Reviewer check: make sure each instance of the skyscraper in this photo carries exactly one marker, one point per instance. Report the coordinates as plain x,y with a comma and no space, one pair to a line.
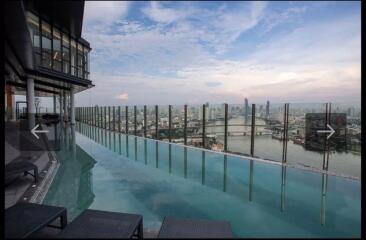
246,111
267,110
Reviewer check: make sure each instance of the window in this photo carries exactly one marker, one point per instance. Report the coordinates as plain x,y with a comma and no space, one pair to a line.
33,23
66,53
46,45
56,55
73,57
80,61
86,63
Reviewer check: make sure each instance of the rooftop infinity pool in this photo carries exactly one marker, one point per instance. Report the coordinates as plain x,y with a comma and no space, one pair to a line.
105,170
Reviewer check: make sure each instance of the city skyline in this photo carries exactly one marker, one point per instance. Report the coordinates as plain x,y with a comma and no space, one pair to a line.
236,50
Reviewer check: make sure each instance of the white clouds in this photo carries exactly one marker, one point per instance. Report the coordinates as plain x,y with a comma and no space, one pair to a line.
123,96
162,14
179,63
97,13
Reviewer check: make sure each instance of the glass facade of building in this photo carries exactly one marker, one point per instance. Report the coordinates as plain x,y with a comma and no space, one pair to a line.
56,50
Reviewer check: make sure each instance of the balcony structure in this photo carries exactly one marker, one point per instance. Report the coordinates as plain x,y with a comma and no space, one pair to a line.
45,54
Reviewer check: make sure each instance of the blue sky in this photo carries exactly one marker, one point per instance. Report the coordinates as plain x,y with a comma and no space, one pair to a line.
197,52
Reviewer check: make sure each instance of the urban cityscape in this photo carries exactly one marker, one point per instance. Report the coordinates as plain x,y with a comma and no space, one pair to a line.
186,127
186,119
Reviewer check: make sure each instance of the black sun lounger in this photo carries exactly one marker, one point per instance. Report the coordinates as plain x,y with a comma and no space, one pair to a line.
101,224
21,167
24,219
194,228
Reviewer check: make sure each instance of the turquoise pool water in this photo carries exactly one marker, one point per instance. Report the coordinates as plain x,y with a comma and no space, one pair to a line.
104,170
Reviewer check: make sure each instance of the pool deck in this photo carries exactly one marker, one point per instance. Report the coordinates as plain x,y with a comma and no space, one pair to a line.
22,188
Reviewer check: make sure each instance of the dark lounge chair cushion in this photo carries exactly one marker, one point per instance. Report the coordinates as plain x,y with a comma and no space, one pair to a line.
194,228
18,167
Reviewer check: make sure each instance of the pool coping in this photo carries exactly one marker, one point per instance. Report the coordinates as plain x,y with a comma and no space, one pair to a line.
296,166
42,189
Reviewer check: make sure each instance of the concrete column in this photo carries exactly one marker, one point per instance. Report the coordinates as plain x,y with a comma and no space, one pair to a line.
9,103
72,106
30,103
65,107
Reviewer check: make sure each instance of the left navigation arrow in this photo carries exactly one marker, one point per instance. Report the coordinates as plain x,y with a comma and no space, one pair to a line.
34,131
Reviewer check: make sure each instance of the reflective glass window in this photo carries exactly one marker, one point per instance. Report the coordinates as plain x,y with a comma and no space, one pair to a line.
46,45
73,57
56,55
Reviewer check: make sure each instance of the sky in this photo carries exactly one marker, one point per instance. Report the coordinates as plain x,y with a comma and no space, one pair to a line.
147,53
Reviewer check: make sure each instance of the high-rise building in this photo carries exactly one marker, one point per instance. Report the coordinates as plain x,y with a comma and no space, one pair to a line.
45,53
267,110
246,111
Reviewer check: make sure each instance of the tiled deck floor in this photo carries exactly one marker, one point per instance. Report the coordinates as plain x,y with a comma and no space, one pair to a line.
16,189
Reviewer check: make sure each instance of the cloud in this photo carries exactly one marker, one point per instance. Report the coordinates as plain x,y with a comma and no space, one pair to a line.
158,13
213,84
100,14
123,96
180,60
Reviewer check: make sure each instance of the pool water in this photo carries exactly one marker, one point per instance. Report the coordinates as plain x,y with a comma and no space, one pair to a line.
105,170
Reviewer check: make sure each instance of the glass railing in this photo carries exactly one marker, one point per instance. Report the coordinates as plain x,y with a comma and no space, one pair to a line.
294,134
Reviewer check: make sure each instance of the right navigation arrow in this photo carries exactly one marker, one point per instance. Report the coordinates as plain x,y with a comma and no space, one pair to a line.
331,131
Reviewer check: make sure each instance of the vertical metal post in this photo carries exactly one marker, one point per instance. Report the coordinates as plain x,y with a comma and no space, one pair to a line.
225,128
323,198
145,121
114,118
95,115
135,148
252,154
170,123
325,138
285,132
203,167
126,119
185,124
119,144
157,153
185,162
109,118
135,120
225,173
105,117
204,126
252,131
170,158
326,142
99,117
156,122
127,148
283,188
145,151
90,115
119,118
287,114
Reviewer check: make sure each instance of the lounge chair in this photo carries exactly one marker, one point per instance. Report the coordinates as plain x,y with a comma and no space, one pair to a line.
194,228
18,167
24,219
102,224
